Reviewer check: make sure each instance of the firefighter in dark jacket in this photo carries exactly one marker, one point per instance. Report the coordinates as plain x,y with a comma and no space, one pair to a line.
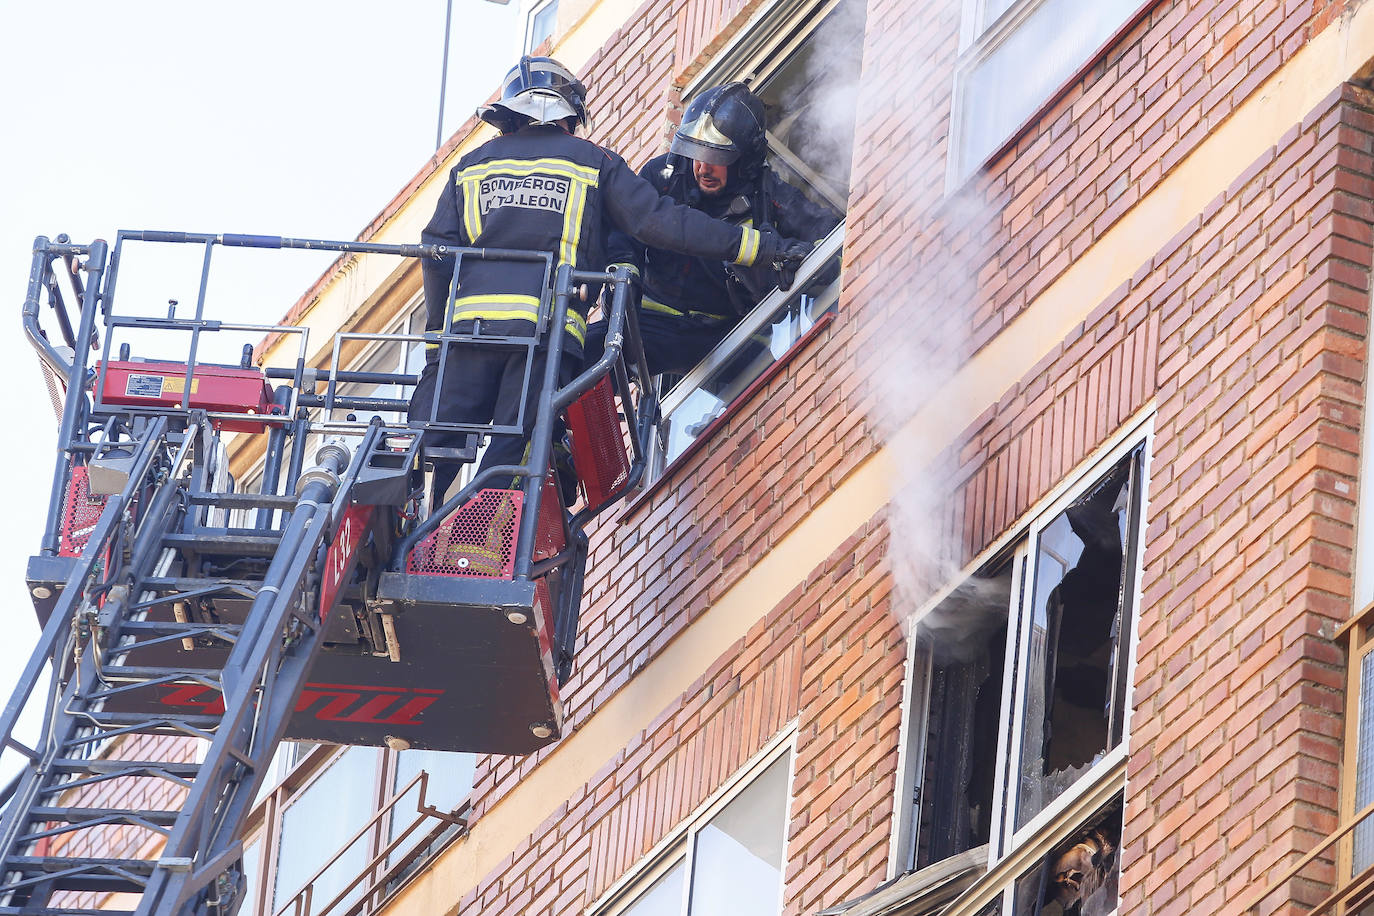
716,164
538,187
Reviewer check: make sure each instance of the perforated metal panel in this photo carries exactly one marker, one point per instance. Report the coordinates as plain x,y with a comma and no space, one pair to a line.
598,446
549,534
80,512
477,540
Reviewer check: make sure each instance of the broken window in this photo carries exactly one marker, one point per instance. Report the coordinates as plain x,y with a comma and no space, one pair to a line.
967,649
1076,670
1019,686
1079,876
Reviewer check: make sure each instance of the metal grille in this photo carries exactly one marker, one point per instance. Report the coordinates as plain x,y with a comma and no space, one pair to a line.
549,538
477,540
80,513
597,446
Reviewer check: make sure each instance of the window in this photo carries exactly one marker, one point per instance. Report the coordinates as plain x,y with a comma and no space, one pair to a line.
1015,54
800,62
1080,875
300,829
330,811
1019,691
539,24
728,860
1359,757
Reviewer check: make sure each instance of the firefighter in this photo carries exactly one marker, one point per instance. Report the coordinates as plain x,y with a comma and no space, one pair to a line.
715,164
539,187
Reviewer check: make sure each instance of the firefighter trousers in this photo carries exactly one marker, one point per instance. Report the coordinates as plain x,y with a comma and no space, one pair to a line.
482,384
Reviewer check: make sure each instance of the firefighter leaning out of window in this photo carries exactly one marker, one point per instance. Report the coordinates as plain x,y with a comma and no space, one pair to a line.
715,164
539,187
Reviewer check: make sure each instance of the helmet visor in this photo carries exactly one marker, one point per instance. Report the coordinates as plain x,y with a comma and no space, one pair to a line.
700,139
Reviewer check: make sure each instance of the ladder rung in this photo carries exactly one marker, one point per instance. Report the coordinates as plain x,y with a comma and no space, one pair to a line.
109,766
143,673
46,865
173,628
244,500
79,815
240,545
112,876
162,721
174,584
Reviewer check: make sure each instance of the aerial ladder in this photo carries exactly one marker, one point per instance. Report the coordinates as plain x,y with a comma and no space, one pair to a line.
324,606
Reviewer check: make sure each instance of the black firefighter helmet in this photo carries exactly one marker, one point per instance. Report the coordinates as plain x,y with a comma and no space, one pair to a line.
724,126
538,90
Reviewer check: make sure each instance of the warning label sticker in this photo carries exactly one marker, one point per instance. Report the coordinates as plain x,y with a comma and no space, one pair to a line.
155,386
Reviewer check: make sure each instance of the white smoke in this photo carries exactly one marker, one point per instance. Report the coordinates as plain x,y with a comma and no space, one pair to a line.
928,299
817,111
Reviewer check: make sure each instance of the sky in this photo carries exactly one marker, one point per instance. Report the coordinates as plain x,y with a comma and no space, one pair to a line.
297,118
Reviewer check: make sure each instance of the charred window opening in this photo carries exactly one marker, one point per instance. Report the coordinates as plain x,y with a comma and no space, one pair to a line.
1079,877
1075,663
968,638
1019,682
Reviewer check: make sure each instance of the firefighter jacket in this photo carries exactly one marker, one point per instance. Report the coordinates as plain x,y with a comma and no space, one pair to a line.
542,189
688,285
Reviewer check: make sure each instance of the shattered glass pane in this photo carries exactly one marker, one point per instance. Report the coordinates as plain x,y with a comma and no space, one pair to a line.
1073,657
1079,877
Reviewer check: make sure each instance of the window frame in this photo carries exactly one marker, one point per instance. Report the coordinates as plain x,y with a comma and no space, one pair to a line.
678,846
978,41
534,12
1010,851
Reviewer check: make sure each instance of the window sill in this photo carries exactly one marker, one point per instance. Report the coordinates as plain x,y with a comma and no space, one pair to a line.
1086,799
673,467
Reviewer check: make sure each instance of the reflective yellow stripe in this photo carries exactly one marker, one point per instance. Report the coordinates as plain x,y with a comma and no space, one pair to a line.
654,305
472,210
498,307
630,267
572,223
564,167
748,246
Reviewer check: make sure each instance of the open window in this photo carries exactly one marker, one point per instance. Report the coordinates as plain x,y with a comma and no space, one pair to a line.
1019,691
802,60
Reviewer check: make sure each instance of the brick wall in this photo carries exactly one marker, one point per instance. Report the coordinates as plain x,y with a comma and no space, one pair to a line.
1245,571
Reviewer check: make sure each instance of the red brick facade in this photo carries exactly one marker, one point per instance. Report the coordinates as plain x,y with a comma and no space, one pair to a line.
1246,336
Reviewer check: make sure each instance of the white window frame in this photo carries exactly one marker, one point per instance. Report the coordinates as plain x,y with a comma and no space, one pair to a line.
530,43
678,847
1011,851
979,40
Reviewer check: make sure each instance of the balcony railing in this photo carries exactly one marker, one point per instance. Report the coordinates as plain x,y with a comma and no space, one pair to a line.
391,864
1351,895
